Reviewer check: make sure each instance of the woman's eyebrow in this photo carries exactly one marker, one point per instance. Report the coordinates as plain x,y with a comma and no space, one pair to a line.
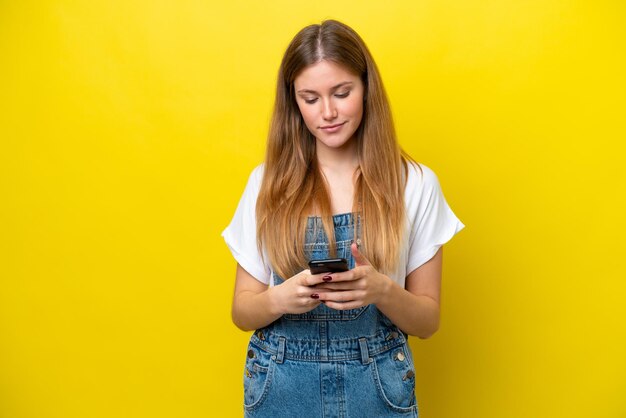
332,88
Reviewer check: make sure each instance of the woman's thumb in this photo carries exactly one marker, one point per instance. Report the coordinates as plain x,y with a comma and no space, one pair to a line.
359,258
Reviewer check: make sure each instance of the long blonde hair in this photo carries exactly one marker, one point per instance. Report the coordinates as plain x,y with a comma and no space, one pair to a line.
292,182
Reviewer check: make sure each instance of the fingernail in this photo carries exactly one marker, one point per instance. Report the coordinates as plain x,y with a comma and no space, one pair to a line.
327,278
315,296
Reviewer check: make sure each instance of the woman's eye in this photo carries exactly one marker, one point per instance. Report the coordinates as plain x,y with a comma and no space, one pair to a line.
338,95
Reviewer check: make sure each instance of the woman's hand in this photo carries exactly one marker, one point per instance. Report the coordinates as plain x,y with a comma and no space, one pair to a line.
358,287
297,294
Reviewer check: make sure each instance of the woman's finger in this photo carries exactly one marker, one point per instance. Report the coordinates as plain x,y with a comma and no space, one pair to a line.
350,275
359,258
341,306
350,285
339,296
305,278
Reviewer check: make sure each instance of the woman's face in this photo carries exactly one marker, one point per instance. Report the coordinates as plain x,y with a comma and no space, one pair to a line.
330,99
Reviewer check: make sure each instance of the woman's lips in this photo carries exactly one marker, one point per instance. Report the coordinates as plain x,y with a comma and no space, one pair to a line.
332,128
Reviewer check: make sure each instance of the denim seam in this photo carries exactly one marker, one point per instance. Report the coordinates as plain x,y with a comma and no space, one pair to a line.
355,313
357,356
343,243
379,334
339,376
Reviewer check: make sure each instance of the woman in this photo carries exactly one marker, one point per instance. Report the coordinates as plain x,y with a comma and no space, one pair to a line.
335,183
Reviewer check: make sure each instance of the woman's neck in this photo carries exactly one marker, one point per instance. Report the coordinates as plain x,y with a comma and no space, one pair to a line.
338,160
339,167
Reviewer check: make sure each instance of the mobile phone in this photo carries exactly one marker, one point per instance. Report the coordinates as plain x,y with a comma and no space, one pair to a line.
328,265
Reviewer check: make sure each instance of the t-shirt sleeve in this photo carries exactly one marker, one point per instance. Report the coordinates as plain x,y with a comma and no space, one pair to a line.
432,221
240,234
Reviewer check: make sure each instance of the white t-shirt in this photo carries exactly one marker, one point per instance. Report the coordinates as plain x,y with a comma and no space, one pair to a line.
430,222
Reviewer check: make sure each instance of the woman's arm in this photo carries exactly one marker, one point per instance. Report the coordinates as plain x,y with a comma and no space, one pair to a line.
256,305
251,308
415,309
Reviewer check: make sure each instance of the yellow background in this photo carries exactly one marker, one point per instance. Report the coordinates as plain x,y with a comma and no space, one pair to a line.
128,130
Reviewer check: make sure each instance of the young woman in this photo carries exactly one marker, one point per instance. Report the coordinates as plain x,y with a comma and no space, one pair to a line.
335,183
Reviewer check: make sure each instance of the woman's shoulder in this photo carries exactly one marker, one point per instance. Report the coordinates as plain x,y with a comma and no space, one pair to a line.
257,172
422,184
419,176
256,176
253,185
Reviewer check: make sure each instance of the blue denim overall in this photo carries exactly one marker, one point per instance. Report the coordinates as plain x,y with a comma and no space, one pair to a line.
329,363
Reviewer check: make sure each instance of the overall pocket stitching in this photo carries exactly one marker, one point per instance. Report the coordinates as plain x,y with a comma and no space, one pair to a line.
351,316
381,392
266,384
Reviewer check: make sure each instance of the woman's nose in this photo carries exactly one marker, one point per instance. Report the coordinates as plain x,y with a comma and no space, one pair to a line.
329,111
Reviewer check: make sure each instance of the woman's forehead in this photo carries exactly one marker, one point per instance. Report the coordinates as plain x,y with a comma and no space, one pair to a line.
324,75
